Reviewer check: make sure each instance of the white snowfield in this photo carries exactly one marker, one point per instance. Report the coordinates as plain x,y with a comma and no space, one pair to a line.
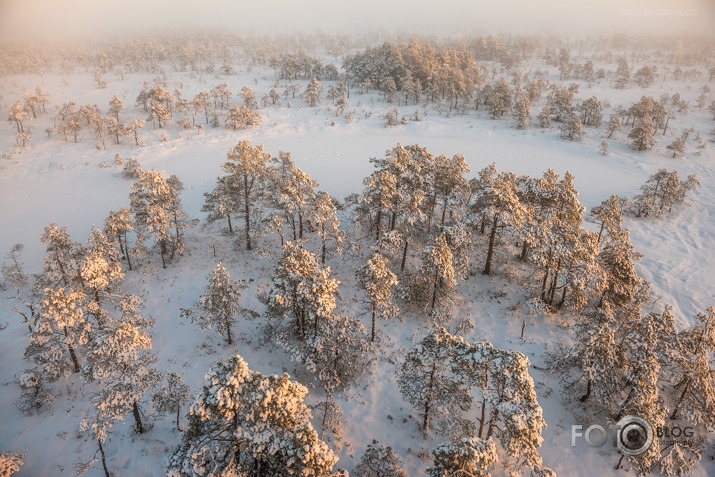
62,182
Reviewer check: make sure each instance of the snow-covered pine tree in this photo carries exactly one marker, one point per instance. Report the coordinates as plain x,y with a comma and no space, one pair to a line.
60,330
151,200
693,373
241,117
336,353
10,462
101,268
434,283
678,147
379,461
614,124
171,396
379,284
376,202
495,201
572,128
522,112
448,186
297,195
325,219
425,378
468,456
594,365
312,92
302,290
663,189
248,167
119,360
219,305
642,134
608,216
617,260
116,227
115,107
648,346
62,263
221,202
244,422
510,411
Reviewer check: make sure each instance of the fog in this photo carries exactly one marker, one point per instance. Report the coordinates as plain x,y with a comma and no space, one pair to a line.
59,19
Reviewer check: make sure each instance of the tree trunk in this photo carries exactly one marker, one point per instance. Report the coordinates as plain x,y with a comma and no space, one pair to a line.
490,251
428,401
372,337
404,257
104,460
137,418
379,219
163,250
588,392
247,213
126,250
230,227
72,353
178,416
674,414
228,333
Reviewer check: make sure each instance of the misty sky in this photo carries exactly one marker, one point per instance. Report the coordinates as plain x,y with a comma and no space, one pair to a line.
28,19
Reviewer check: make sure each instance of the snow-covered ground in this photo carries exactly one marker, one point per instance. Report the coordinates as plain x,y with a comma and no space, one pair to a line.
62,182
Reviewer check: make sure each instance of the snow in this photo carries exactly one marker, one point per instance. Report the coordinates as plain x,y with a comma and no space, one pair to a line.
62,182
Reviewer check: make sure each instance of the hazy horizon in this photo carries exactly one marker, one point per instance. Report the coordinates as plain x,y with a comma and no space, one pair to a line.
26,20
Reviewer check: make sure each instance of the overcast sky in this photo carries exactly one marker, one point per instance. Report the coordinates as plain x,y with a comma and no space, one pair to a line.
28,19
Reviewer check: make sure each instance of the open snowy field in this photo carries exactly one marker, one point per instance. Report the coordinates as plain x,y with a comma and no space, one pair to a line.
76,185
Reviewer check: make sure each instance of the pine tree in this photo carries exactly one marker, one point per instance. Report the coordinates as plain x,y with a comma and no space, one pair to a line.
302,290
623,73
116,227
10,462
379,461
678,147
425,379
496,201
221,203
614,124
324,217
119,360
642,134
596,356
170,397
617,260
62,263
60,330
435,281
153,203
18,115
242,117
522,112
248,167
101,268
115,107
379,284
467,456
244,422
336,353
219,304
297,196
312,93
572,128
693,372
376,202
